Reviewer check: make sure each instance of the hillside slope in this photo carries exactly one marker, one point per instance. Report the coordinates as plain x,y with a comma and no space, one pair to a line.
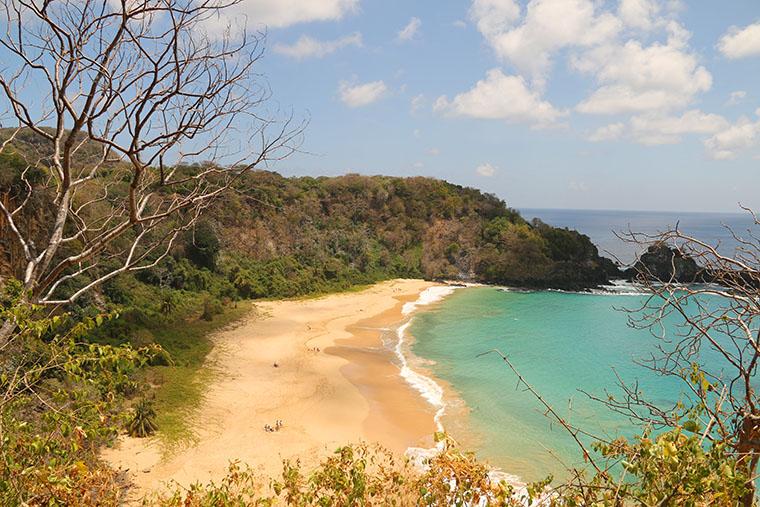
278,237
309,232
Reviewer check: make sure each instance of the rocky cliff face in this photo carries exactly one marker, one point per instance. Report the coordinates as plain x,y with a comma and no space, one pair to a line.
663,263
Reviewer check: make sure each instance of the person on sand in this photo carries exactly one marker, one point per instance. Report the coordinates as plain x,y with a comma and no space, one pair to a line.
277,426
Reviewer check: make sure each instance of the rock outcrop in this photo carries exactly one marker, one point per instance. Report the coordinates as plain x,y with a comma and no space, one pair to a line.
664,263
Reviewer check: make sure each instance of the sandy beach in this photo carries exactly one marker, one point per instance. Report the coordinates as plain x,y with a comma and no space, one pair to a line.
334,383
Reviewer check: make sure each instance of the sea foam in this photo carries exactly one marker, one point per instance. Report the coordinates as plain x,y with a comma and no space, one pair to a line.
428,296
615,288
433,393
430,390
427,387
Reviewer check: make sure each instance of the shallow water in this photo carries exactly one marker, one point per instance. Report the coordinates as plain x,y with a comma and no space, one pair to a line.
561,343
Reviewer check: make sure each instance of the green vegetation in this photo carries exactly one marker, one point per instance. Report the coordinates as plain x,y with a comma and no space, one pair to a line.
286,237
63,398
181,323
356,475
294,236
182,383
143,423
671,469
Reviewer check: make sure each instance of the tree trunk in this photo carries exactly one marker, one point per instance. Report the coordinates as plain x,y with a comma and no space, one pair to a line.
748,500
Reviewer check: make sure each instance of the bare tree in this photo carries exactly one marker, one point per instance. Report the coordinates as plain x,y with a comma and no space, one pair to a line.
719,318
130,108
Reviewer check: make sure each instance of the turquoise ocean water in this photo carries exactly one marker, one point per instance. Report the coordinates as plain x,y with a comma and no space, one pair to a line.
561,342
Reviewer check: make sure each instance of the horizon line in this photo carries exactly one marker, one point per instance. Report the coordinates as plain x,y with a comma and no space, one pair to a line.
740,212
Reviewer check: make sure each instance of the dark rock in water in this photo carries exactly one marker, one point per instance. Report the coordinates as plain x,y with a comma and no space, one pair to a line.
611,269
663,263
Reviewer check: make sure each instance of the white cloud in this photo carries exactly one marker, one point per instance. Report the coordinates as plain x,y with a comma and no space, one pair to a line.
281,13
547,26
727,143
637,78
607,133
632,76
362,94
640,14
675,6
736,97
434,152
417,102
410,30
493,17
500,97
741,43
306,47
653,129
419,165
658,128
636,51
486,170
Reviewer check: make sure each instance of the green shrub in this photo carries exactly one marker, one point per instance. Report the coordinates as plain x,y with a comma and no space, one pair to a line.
353,475
672,468
203,245
143,421
168,304
60,405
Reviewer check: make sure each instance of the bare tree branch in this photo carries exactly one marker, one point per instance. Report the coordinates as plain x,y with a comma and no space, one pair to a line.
141,107
708,336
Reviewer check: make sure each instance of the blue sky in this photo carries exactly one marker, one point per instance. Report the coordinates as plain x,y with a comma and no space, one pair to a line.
599,104
547,127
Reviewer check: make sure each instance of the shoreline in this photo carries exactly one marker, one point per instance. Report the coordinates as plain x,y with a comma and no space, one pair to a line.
336,382
371,367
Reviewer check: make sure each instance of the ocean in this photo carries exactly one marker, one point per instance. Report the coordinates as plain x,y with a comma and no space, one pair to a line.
562,343
601,226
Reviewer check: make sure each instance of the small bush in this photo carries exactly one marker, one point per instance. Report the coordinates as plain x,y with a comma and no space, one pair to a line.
353,475
143,422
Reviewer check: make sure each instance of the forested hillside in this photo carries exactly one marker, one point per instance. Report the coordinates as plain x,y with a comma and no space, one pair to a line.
288,236
272,236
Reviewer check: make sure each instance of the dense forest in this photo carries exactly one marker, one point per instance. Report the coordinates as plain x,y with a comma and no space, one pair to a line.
288,236
272,236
